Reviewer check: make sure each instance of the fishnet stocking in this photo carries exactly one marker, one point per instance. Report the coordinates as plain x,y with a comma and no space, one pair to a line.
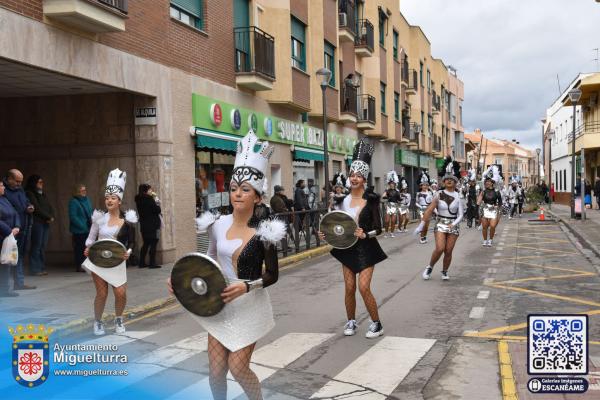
120,299
350,297
493,224
239,365
364,286
217,365
450,242
440,246
101,295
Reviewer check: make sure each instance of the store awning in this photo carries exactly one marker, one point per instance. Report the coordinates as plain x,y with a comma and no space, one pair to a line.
305,154
216,141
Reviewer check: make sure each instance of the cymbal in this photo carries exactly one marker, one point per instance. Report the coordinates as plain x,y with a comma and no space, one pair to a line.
107,253
197,283
338,228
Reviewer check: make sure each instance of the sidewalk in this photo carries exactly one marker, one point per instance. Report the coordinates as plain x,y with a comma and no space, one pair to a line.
588,231
64,299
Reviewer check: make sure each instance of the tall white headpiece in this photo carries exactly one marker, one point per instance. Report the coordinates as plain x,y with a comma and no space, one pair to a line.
250,166
115,184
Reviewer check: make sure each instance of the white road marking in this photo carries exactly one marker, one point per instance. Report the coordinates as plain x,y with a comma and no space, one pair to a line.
499,248
265,362
491,270
469,332
495,261
477,312
501,243
487,281
483,295
498,254
376,373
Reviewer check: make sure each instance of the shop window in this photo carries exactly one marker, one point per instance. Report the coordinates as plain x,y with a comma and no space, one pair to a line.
298,44
189,12
213,174
330,61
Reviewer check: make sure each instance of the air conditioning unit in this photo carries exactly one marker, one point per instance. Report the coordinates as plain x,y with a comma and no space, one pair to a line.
343,19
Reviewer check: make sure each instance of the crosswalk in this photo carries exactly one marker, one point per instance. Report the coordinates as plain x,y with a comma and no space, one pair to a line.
373,375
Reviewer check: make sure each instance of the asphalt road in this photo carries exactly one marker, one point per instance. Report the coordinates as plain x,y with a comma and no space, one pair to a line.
441,338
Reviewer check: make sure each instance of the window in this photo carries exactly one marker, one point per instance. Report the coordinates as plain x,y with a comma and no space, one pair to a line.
428,81
429,125
298,44
422,120
395,45
304,117
330,61
382,19
189,12
565,179
498,160
382,91
396,106
421,74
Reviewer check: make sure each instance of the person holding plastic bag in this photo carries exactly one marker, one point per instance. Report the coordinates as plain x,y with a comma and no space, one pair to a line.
9,222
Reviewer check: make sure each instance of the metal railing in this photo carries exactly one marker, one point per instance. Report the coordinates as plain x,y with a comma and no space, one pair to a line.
414,130
404,70
366,108
348,99
413,80
365,36
435,101
437,143
347,20
254,51
119,5
585,128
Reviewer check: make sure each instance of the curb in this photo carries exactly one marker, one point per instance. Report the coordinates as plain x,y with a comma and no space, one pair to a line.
509,387
305,255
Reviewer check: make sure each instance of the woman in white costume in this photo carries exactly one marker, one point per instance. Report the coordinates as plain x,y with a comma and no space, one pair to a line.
112,224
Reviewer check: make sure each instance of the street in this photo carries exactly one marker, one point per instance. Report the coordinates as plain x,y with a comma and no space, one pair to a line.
441,338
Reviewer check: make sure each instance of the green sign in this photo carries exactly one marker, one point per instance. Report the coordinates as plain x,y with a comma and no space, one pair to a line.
267,127
439,163
406,157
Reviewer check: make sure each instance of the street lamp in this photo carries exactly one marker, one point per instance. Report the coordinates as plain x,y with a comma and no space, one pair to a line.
325,75
538,151
574,96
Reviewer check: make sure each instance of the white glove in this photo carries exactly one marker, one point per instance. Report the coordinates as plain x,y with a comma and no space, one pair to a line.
419,228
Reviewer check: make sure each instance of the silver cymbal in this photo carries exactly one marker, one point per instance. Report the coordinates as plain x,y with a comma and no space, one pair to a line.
338,228
107,253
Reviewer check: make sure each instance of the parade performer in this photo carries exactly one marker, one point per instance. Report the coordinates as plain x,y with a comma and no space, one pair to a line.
404,208
472,190
339,191
515,194
241,243
422,200
490,203
364,205
112,224
449,214
392,195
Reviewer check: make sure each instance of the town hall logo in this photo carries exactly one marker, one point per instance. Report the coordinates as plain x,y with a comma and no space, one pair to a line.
30,354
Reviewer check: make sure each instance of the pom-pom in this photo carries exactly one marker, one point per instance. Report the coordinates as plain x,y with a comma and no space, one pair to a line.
97,215
131,217
271,231
205,221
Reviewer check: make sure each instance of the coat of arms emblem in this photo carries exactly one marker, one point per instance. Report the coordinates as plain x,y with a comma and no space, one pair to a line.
30,354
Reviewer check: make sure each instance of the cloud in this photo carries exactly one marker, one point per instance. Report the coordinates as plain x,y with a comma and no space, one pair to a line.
508,54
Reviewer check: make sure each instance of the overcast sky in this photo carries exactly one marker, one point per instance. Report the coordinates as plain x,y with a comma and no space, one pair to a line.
508,54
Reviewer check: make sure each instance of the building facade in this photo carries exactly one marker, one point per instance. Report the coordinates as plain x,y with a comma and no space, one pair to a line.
164,92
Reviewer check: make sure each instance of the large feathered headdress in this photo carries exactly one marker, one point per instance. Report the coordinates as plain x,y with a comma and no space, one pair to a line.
115,183
403,183
472,174
494,174
251,166
424,179
339,180
450,170
361,158
392,177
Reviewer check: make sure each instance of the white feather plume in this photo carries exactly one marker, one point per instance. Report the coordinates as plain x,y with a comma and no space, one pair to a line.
205,220
97,215
271,231
131,217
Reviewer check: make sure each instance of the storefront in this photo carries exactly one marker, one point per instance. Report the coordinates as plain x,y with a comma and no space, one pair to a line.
412,163
298,149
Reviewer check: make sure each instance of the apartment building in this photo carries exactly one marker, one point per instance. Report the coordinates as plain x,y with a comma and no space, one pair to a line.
164,91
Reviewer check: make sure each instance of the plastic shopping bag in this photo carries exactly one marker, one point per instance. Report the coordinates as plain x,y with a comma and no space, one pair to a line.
10,251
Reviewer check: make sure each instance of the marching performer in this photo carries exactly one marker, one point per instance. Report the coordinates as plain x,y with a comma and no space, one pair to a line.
392,195
449,214
423,199
404,208
515,196
490,203
112,224
339,190
434,188
472,190
364,206
241,243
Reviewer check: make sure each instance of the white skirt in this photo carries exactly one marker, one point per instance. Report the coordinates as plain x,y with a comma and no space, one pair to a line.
242,322
115,276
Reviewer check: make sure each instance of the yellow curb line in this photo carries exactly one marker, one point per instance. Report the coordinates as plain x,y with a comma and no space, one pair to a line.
509,387
318,251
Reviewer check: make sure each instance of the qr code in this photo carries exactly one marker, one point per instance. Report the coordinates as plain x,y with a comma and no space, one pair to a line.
557,344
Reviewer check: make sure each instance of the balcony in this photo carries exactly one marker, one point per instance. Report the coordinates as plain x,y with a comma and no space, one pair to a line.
364,43
413,82
437,146
366,112
404,72
346,22
435,103
413,132
587,136
94,16
254,58
348,103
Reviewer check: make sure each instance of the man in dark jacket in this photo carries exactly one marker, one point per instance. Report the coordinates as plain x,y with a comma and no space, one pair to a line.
9,222
148,207
43,216
16,196
281,204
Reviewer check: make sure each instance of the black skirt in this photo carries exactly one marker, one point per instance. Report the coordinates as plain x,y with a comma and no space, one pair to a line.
364,253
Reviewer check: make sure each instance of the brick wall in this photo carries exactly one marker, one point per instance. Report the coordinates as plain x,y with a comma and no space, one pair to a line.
152,34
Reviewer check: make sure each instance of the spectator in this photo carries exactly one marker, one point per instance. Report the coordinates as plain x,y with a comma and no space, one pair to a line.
43,216
588,194
544,188
552,192
9,223
300,198
15,194
80,222
148,207
597,191
281,204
